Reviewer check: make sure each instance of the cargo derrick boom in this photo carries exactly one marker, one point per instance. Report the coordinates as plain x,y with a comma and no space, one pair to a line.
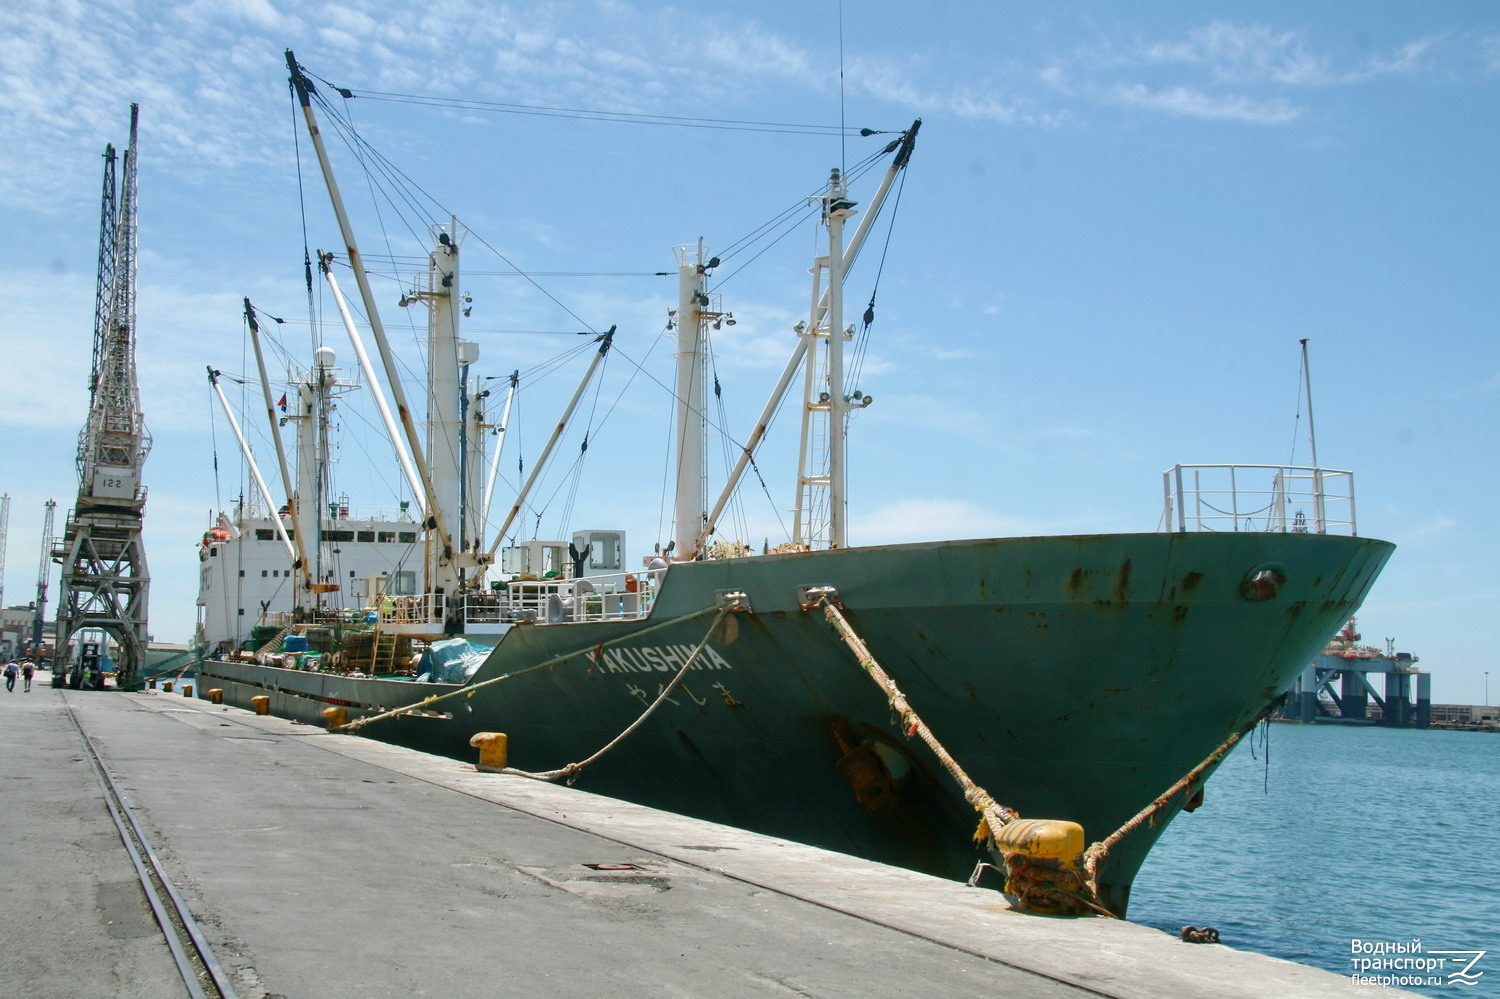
105,584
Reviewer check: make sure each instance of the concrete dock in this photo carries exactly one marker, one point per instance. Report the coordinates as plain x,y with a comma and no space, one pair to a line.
331,866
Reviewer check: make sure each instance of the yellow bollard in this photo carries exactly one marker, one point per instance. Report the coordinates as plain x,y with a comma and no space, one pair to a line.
336,717
216,695
262,704
494,750
166,686
151,683
1042,839
187,690
1043,864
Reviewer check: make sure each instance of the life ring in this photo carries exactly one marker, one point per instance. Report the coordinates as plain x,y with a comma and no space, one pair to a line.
632,584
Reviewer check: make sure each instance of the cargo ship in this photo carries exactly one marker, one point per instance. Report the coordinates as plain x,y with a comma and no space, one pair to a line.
1091,680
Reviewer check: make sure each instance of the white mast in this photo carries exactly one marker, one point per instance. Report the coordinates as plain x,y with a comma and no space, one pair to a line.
820,516
692,306
314,411
260,482
812,453
489,487
307,498
444,405
605,340
325,260
837,208
302,590
1320,525
474,440
304,88
820,512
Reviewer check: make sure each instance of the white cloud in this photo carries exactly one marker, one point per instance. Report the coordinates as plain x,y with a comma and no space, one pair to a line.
1189,73
1242,53
1490,44
1186,102
750,49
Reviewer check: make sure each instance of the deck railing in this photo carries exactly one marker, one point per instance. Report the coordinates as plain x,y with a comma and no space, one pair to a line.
1282,499
625,596
620,597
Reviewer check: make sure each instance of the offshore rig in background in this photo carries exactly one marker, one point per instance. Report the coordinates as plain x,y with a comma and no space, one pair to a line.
1336,686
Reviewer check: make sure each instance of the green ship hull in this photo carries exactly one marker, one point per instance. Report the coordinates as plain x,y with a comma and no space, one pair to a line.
1072,677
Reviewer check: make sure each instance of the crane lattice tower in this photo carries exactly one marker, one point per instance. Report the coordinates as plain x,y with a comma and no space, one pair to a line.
4,530
105,583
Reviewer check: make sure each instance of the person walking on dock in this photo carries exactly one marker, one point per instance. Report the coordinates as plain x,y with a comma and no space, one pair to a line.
10,677
28,670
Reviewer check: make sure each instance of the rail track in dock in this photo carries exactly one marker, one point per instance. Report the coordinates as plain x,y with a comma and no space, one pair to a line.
202,974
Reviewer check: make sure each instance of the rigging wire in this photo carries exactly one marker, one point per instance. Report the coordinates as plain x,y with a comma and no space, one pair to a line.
213,436
302,211
365,154
619,117
800,208
393,173
737,515
666,468
583,450
403,191
790,220
397,185
862,348
843,133
468,329
769,498
790,227
1297,419
370,463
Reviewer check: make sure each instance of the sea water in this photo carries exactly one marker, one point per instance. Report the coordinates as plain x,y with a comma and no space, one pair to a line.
1319,843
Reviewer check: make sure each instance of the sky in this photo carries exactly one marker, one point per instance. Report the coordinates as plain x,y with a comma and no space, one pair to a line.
1119,222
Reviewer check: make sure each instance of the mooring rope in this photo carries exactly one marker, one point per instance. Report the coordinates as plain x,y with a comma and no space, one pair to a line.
994,813
468,689
1096,853
1020,879
572,770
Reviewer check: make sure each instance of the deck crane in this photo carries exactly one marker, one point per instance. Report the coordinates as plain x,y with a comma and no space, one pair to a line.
105,583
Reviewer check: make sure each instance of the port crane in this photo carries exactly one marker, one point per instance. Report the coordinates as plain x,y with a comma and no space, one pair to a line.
105,583
4,530
43,580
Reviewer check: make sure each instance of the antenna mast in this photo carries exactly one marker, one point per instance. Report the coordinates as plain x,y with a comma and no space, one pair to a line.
820,517
1320,525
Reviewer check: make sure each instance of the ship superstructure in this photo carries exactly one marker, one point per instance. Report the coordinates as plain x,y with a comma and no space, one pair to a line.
246,580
